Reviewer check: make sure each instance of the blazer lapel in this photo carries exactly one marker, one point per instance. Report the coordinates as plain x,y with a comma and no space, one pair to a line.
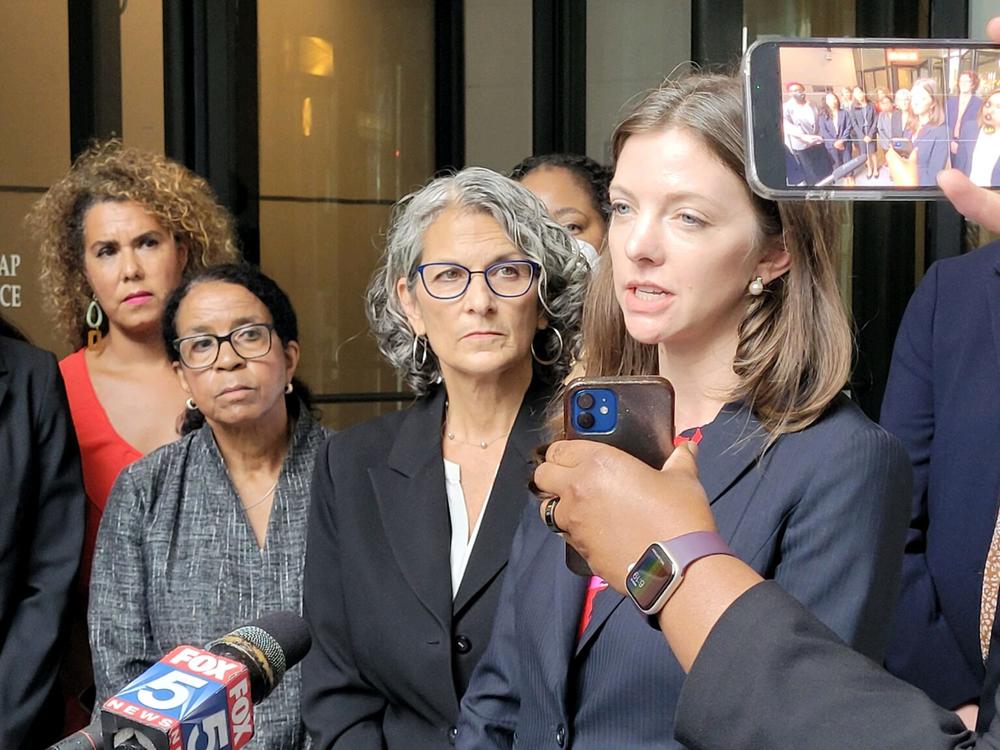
993,295
509,495
413,504
4,377
730,445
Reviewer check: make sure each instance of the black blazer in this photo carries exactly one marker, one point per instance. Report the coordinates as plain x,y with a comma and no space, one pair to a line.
392,653
941,402
770,676
41,534
823,512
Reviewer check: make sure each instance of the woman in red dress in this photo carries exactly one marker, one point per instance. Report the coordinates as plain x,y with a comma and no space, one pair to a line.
115,235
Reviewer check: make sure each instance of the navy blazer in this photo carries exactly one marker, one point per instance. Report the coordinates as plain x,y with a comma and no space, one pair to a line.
392,650
968,130
839,132
823,512
41,535
941,401
933,149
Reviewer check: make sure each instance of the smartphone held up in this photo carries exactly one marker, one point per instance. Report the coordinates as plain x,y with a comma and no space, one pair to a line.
634,414
870,119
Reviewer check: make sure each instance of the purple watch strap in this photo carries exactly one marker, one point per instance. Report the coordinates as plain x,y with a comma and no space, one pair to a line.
690,547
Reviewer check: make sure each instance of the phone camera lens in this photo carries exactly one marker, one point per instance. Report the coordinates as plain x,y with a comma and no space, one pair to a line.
585,400
585,419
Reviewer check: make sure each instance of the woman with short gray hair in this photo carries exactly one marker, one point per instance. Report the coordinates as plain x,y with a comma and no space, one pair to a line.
477,305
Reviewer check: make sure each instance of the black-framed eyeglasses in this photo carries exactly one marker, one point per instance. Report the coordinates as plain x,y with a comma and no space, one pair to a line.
505,278
251,341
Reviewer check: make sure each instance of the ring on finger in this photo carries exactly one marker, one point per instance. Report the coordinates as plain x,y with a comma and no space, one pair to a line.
549,515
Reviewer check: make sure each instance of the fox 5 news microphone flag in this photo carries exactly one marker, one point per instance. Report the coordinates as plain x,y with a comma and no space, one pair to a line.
191,698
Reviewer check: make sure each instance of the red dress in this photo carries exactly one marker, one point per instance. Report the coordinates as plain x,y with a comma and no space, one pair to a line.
103,453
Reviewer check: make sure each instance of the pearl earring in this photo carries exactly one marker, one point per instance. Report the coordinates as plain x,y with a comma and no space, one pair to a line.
756,287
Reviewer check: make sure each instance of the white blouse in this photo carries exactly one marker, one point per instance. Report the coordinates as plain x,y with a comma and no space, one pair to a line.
461,548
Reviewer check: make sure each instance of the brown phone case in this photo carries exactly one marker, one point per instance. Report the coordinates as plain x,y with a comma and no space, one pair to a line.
644,429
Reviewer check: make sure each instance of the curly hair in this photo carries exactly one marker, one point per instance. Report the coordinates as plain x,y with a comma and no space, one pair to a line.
525,222
182,202
593,177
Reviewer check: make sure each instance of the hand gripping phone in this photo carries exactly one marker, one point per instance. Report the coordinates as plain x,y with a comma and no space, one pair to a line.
869,119
635,414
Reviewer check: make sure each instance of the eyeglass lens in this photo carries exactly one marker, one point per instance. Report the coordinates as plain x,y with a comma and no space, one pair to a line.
449,280
249,342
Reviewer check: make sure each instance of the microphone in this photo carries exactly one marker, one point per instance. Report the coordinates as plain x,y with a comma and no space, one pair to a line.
197,697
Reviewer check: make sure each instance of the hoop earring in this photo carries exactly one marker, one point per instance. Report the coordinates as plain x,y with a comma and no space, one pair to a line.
289,388
190,404
94,318
558,353
418,366
756,287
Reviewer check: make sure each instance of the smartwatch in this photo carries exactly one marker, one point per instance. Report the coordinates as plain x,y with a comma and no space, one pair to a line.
655,576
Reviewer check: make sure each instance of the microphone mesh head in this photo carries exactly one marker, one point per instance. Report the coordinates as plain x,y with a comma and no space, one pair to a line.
267,644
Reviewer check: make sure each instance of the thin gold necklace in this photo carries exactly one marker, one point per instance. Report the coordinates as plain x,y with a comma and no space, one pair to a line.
484,444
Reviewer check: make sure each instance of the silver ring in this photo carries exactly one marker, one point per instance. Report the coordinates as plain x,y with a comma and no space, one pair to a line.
549,515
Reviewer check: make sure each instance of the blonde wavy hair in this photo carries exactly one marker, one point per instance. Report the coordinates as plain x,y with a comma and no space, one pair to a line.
795,341
182,202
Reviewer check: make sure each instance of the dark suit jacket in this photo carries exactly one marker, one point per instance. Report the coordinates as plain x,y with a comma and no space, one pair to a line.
771,676
933,149
941,402
839,132
823,512
864,122
41,534
392,653
968,130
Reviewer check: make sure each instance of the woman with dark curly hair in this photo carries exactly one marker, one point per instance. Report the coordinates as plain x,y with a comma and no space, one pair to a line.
477,305
116,234
574,189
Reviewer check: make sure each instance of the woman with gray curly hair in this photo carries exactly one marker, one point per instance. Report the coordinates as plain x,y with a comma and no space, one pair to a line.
477,304
115,235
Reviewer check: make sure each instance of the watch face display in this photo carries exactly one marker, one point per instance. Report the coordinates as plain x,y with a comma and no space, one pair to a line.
650,577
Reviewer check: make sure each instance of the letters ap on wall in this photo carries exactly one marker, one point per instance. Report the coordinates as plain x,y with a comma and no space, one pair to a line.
189,700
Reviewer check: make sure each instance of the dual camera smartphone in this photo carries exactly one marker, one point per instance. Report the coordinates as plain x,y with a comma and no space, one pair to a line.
634,414
870,119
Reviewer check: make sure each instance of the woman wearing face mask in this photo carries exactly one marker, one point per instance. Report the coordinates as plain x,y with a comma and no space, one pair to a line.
574,189
477,305
733,299
116,234
930,140
208,533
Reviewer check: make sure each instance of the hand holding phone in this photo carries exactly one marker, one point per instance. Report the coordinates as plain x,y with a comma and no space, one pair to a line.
635,414
904,109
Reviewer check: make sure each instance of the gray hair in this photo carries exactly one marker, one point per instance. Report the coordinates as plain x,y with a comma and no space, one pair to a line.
526,223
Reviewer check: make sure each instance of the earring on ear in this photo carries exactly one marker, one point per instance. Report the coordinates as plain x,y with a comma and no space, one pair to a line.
288,388
94,318
190,404
756,287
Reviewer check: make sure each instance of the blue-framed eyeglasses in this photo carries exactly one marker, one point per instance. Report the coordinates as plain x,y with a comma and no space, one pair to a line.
202,350
505,278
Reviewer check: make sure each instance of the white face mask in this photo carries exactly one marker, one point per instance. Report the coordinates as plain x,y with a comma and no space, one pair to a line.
588,252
